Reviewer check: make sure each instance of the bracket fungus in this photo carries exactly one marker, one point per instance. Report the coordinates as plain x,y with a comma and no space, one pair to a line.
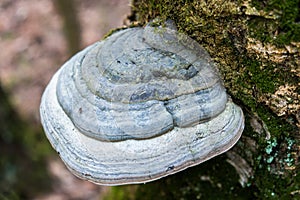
144,103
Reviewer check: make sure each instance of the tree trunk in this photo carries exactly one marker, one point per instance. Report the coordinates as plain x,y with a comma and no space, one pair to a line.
256,46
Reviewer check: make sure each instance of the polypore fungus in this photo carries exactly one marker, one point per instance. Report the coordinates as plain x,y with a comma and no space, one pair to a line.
142,104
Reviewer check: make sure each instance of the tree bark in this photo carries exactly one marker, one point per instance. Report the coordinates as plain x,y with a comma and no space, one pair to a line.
256,45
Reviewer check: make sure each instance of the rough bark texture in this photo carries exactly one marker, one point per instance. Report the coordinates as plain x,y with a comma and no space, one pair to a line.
256,45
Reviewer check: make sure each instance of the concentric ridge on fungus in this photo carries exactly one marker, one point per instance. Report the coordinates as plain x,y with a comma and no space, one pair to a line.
140,105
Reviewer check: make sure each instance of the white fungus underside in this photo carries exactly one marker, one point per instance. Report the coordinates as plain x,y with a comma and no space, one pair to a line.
137,161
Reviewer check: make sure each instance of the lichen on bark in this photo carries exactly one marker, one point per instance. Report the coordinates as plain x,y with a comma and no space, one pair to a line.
256,45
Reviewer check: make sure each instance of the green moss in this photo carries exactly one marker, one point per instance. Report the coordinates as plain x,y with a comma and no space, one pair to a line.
279,31
121,192
114,31
264,81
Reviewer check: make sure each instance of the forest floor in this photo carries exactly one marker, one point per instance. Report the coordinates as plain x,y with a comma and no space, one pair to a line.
33,47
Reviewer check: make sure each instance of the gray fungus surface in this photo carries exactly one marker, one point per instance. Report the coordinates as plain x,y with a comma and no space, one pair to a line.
139,105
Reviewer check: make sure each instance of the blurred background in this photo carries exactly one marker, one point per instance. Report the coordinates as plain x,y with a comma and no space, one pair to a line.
36,38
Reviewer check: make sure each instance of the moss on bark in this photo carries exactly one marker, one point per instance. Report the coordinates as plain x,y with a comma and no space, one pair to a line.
256,47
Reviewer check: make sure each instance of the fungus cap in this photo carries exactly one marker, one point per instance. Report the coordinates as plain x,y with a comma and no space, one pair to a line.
142,104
